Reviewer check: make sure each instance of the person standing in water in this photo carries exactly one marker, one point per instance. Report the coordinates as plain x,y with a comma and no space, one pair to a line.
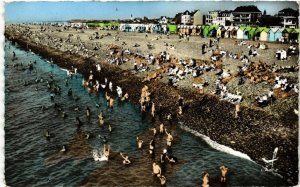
169,138
88,113
111,103
106,151
156,170
205,179
223,171
153,110
139,143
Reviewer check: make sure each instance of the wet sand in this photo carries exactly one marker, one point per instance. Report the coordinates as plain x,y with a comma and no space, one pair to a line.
256,132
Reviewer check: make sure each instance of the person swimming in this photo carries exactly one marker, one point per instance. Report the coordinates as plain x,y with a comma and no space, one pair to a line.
87,135
126,160
47,135
163,180
64,149
79,123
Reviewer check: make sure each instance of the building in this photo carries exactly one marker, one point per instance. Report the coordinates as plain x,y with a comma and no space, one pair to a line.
197,17
217,17
246,15
225,18
163,20
211,18
289,22
186,18
289,17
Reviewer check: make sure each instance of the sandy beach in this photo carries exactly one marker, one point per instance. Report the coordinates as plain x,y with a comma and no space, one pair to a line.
255,132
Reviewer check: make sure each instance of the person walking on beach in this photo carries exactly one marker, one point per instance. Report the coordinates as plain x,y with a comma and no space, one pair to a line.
203,49
224,171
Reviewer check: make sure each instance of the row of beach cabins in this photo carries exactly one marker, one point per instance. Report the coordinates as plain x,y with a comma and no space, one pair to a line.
236,32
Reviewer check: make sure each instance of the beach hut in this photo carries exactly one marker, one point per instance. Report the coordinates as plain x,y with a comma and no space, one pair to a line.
221,32
264,35
234,32
205,30
252,32
213,30
294,35
157,28
286,33
172,29
227,33
240,33
275,34
141,28
127,28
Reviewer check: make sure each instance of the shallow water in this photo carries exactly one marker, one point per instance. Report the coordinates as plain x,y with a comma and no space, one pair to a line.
26,148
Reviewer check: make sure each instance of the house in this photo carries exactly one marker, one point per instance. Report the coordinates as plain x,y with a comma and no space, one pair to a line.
186,18
197,17
246,15
289,21
163,20
211,18
225,18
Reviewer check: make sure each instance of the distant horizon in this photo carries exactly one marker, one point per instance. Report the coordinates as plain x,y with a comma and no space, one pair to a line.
18,12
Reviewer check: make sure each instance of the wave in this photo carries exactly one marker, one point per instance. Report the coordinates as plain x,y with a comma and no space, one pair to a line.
98,156
216,145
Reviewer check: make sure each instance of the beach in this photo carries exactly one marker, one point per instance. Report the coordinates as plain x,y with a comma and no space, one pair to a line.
256,132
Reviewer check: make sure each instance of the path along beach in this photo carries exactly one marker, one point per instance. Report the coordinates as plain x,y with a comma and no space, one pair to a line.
255,131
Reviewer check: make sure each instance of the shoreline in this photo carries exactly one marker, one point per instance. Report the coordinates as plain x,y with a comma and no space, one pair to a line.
201,110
